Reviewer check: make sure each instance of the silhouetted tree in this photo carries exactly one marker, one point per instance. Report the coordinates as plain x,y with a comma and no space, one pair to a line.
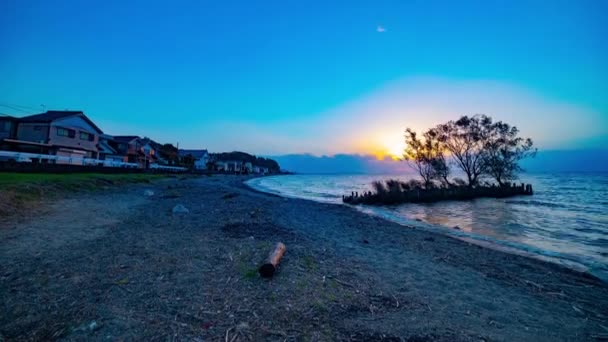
464,139
419,153
503,150
188,161
441,169
169,152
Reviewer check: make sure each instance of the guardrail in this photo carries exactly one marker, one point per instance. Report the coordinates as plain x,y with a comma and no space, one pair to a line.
23,157
167,168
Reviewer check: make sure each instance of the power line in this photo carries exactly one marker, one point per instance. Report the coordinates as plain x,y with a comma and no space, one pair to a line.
22,108
14,108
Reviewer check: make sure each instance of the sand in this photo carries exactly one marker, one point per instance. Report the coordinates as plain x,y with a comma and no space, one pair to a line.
120,265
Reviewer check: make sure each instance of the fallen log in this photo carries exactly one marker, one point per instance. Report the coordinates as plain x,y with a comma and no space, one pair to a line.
268,268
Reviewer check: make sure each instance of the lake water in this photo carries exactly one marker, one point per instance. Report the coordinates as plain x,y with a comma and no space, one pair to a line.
565,221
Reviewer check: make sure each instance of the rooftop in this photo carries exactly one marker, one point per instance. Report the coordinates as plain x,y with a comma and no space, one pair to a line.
52,115
194,153
125,138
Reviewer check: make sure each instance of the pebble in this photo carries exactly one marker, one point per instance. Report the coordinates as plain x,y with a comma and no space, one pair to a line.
180,209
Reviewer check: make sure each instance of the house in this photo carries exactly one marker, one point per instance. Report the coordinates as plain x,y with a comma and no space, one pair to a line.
154,149
247,167
201,158
227,165
150,149
233,166
106,149
135,150
63,133
260,170
8,129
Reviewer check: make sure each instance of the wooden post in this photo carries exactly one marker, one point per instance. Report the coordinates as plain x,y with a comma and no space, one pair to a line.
267,270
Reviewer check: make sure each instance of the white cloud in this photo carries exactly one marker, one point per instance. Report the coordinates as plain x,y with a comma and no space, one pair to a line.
380,29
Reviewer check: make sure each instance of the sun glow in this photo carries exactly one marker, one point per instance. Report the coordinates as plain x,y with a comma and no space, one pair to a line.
391,145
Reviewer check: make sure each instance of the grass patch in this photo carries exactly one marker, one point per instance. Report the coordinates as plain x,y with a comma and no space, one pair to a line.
310,263
13,178
19,191
251,274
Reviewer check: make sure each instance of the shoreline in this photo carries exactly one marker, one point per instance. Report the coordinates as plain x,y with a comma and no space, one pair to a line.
137,271
484,241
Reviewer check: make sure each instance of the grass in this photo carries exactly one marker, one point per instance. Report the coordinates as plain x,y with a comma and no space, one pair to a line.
310,263
13,178
20,191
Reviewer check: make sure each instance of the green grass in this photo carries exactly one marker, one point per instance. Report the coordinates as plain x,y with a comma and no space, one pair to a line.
19,191
310,263
251,274
13,179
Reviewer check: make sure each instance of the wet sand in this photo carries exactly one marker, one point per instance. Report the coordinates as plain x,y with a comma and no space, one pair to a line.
120,265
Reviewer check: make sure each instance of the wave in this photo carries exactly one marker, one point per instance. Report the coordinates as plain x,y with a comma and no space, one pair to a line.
537,203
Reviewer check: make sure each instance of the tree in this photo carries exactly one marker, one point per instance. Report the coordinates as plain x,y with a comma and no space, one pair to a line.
441,169
464,139
421,154
503,150
169,152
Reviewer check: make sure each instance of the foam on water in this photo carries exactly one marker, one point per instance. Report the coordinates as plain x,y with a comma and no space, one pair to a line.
565,221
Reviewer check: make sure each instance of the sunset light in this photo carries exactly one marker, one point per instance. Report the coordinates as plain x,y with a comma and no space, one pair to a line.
304,170
388,144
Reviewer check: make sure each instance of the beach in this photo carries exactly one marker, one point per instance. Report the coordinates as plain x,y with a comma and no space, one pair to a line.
120,265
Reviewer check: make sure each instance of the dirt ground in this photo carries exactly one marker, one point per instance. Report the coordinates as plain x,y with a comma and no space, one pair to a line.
119,265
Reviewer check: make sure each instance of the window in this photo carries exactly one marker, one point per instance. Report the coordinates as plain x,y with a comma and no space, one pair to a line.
64,132
86,136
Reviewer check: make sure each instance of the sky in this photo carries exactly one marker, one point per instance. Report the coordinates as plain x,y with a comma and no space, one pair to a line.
319,77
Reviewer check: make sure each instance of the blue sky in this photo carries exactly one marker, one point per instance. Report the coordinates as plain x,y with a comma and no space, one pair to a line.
275,77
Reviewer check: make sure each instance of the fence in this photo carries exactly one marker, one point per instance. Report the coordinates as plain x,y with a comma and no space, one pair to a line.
21,161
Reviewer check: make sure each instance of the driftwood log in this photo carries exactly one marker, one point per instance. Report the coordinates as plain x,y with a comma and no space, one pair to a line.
268,268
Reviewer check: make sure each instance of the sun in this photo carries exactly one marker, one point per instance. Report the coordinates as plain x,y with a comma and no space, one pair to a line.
396,151
393,146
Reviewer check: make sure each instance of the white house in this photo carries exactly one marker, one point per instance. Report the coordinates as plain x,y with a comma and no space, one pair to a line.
260,170
236,166
201,158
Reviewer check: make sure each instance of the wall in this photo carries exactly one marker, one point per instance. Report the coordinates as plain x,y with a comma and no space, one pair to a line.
36,132
74,142
6,131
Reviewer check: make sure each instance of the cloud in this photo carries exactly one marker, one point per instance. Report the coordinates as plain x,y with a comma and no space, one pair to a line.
341,163
380,29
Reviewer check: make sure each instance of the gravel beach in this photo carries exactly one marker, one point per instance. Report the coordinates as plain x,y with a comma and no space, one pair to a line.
121,265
